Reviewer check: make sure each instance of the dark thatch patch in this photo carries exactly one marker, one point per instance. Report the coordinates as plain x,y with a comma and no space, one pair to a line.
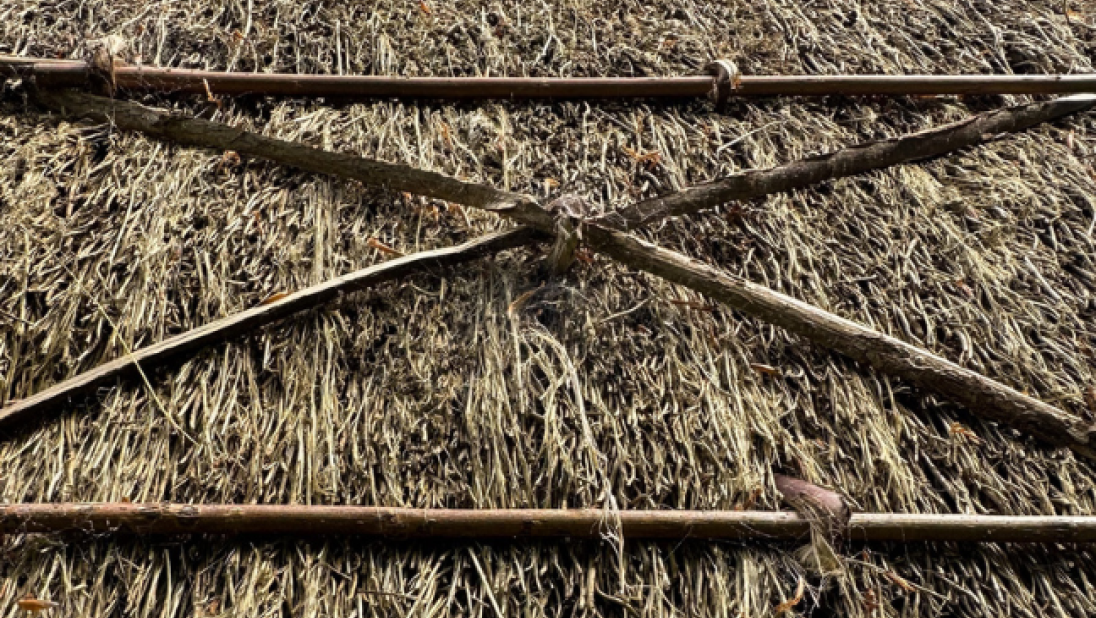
600,392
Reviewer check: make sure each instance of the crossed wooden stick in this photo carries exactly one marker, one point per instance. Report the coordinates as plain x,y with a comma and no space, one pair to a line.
566,221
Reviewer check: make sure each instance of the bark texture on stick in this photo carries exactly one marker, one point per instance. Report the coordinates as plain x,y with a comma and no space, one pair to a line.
847,162
219,136
181,346
404,523
980,395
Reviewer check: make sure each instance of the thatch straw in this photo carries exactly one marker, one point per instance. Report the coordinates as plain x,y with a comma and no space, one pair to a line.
847,162
432,394
980,395
279,306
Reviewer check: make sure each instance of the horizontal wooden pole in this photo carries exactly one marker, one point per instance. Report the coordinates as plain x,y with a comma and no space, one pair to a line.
403,523
56,397
71,73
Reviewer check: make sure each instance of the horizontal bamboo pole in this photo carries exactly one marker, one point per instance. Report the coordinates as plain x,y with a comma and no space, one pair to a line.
71,73
184,345
403,523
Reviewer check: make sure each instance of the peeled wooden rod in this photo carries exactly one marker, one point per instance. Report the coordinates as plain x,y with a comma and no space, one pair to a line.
405,523
74,73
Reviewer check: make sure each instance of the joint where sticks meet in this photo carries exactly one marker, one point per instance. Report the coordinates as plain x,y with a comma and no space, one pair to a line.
570,212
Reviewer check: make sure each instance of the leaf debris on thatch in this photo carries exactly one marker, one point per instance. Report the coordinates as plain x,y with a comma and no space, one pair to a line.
434,397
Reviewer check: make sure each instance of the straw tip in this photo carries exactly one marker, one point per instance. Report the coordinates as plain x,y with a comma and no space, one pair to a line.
1084,96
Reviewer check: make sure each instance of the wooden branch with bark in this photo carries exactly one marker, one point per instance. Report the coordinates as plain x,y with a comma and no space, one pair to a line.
483,524
219,136
982,396
847,162
187,344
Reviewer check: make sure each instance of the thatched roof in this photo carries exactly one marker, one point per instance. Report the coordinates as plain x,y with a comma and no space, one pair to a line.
603,390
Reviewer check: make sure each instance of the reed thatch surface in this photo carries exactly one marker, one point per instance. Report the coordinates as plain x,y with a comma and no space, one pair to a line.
603,390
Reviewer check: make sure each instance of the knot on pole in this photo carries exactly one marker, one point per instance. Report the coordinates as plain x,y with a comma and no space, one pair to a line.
100,67
727,79
829,517
569,211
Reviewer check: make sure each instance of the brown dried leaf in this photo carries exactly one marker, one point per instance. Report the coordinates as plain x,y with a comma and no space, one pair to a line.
899,581
962,431
768,370
751,500
651,158
273,298
870,601
383,248
35,605
230,158
521,300
787,606
446,134
812,501
963,287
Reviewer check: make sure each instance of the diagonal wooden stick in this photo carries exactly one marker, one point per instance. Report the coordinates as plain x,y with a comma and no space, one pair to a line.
219,136
481,524
982,396
185,345
843,163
